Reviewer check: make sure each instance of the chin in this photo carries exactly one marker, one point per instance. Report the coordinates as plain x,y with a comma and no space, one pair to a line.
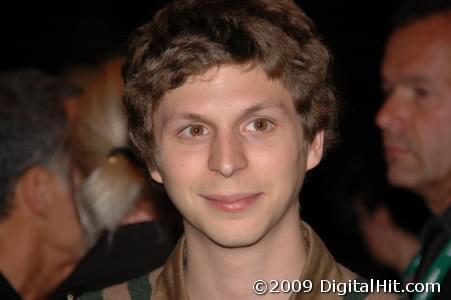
401,178
241,237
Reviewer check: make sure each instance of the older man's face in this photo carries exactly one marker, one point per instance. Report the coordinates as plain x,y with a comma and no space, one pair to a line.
416,117
65,233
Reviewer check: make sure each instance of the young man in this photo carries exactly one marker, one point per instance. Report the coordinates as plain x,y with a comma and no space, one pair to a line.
230,105
416,127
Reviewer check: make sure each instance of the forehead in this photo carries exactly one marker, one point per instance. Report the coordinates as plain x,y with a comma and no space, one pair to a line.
420,49
226,88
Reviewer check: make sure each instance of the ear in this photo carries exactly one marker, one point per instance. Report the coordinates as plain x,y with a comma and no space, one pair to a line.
35,187
315,150
155,174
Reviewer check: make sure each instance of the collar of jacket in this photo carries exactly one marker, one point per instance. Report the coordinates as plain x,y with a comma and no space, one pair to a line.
319,265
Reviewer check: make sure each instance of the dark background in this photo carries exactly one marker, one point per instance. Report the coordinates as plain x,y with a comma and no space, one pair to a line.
57,37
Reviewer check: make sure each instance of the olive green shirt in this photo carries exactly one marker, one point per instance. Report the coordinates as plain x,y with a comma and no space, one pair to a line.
167,283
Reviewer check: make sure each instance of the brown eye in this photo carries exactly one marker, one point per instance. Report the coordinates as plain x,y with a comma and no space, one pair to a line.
420,92
195,130
259,125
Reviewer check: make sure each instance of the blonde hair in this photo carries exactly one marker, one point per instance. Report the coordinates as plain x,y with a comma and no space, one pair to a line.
111,184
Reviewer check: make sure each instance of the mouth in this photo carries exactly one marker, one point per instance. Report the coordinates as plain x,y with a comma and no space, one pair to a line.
233,203
391,150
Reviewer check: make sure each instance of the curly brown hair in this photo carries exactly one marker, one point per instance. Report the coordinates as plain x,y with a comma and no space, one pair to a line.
188,37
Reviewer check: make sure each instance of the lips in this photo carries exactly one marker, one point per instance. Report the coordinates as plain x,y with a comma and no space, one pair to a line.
395,145
232,203
394,149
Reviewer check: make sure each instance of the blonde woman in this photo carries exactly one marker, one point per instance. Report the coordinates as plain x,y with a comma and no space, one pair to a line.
113,184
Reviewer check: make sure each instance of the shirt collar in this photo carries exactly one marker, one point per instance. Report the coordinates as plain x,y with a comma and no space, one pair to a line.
319,265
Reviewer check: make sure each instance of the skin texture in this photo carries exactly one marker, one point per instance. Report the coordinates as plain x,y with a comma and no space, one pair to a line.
65,231
416,117
227,155
416,127
232,158
42,234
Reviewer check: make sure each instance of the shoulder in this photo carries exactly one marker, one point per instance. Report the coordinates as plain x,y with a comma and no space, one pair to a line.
136,288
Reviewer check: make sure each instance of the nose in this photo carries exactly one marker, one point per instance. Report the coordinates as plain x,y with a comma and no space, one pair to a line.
393,113
227,155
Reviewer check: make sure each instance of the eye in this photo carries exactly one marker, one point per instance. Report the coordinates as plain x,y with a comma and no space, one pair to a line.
420,92
195,130
259,125
387,90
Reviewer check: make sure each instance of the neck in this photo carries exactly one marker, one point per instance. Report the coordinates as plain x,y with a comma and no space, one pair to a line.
437,195
26,263
280,254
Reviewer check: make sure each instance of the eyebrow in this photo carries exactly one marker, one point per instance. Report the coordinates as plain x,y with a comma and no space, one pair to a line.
248,111
262,106
415,79
183,116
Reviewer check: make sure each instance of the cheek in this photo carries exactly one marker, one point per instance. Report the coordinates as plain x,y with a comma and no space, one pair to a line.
67,219
437,141
180,165
282,158
71,213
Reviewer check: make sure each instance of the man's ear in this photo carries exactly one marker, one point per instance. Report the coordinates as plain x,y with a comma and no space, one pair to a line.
315,150
155,174
35,187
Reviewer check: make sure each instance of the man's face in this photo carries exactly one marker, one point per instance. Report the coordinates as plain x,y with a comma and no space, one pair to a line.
416,117
65,232
231,155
